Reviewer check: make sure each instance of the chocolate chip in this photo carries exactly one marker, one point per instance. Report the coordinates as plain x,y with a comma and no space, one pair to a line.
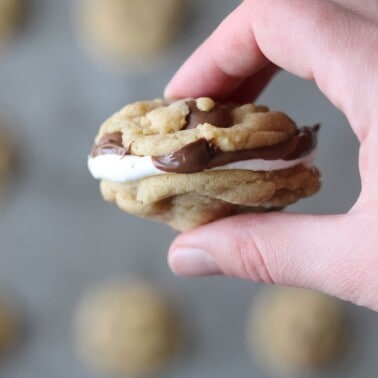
219,116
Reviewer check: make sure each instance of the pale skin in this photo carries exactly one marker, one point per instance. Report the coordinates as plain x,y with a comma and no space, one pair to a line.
335,44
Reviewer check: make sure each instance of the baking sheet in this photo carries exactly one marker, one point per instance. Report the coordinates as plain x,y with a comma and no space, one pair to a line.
58,237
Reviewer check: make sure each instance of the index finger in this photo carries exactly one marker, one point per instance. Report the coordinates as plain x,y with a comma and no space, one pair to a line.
317,40
221,63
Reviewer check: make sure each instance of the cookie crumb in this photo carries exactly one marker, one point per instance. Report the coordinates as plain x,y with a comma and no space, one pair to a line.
169,119
205,104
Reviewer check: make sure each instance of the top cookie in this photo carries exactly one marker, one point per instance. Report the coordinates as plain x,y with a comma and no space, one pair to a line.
154,128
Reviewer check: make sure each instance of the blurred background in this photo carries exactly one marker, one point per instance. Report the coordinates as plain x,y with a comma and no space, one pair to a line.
58,237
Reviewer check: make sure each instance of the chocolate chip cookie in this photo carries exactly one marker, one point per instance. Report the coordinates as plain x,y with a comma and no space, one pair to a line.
191,161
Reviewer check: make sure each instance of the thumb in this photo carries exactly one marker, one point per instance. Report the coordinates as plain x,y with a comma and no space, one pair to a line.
316,252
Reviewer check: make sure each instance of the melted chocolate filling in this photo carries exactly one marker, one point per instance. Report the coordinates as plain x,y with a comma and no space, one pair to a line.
202,154
110,144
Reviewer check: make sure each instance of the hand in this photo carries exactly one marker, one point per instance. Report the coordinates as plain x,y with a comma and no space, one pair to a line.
334,43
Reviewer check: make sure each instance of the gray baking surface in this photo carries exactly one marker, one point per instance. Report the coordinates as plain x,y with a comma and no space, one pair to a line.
58,237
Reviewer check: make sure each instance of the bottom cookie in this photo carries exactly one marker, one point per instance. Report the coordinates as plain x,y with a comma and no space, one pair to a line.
186,201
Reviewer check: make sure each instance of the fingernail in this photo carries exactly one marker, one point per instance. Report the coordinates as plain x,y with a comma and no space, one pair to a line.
192,262
167,92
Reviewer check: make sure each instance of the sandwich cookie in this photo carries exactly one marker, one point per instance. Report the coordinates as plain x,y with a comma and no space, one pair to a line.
192,161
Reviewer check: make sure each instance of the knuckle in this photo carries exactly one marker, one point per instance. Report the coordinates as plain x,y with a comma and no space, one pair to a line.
357,276
322,14
251,258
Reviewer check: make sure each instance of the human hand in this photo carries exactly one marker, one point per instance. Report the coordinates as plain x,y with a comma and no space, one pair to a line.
334,43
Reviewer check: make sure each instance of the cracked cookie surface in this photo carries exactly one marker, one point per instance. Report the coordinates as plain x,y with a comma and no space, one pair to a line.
152,128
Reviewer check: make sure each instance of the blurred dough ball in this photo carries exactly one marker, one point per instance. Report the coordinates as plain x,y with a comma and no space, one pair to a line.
121,30
10,14
126,329
9,327
6,156
293,330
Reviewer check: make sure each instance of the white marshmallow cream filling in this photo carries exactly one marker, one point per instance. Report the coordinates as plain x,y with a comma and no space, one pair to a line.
128,168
